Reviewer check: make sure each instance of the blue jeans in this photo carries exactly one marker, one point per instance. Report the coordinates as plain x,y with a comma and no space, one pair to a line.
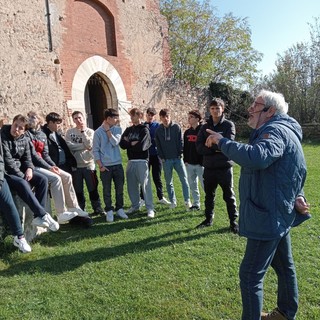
178,165
9,210
259,255
116,174
195,174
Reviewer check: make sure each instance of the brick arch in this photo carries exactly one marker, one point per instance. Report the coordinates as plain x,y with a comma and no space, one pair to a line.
109,24
99,65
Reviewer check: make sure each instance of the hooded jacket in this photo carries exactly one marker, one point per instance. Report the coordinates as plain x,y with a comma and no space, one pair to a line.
16,153
273,172
169,141
213,158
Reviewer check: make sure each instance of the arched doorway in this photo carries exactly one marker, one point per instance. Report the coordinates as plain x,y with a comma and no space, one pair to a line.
96,86
97,98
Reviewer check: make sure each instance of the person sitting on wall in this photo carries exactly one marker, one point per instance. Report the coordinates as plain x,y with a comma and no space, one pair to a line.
20,173
61,187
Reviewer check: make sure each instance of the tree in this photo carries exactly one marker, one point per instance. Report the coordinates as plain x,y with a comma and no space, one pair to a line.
206,48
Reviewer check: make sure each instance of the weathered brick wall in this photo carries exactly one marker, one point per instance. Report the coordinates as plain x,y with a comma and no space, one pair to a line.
29,78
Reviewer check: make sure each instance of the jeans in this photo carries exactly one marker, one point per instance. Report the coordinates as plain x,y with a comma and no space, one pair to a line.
114,173
259,255
91,179
9,210
178,165
195,174
23,189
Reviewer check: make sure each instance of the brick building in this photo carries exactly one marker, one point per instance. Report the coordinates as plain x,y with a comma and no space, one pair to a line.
87,55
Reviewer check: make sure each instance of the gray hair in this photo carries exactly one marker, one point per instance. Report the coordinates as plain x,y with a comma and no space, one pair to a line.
274,99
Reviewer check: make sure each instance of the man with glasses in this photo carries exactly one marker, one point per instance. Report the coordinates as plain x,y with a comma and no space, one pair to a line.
217,166
273,172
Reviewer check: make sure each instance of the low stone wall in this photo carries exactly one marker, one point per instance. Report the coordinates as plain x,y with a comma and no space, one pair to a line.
30,231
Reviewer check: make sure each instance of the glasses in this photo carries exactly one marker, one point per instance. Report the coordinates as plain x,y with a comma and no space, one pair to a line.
255,103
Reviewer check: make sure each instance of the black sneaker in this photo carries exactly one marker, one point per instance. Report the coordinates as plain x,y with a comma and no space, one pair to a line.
86,222
194,208
234,227
99,212
204,224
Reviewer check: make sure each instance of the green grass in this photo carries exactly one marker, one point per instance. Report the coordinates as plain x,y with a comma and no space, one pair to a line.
151,269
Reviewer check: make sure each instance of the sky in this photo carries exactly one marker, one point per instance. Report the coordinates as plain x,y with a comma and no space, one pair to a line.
276,25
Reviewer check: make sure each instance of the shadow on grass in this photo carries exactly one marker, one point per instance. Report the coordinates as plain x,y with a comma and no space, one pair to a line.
69,262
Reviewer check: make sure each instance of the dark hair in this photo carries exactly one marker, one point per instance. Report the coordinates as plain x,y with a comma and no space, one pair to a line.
195,113
21,118
135,111
53,117
152,111
217,102
164,112
110,113
75,113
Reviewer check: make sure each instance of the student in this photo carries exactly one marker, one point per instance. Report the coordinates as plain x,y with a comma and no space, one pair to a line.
192,159
137,141
155,163
61,187
217,167
169,143
20,173
79,141
10,212
106,152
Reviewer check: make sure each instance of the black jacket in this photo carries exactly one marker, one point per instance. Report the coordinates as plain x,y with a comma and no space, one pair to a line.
138,133
54,148
1,165
16,153
213,158
190,154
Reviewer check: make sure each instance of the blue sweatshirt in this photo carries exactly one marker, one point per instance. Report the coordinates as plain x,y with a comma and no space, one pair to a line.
107,150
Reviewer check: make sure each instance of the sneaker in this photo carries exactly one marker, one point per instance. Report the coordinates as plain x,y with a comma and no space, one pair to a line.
53,225
204,224
86,222
121,214
22,244
188,204
273,315
173,205
99,211
234,227
164,201
109,216
79,211
141,203
132,210
64,217
39,222
194,208
150,214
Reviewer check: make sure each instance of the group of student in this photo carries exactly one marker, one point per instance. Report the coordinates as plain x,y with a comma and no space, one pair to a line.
36,159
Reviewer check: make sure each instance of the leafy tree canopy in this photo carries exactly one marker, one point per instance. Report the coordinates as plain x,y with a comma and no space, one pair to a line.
207,48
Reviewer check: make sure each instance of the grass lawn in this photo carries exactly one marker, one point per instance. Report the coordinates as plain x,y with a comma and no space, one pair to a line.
151,269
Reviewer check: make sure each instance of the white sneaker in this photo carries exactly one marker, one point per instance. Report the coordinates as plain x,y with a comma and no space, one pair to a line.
109,216
164,201
64,217
173,205
188,204
22,244
79,211
39,222
121,214
53,224
151,214
141,203
132,210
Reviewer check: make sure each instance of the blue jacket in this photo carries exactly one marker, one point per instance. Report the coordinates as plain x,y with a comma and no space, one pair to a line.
273,172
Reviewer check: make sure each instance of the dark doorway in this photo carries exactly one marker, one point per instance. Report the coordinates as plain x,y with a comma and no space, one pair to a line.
97,95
